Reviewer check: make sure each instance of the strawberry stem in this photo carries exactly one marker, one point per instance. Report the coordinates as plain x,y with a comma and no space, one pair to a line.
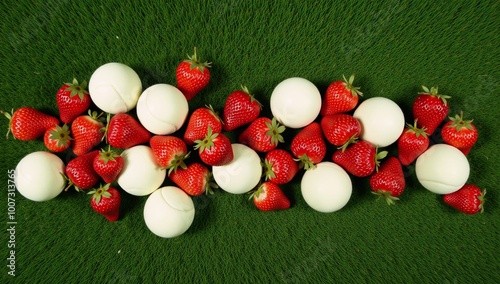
9,117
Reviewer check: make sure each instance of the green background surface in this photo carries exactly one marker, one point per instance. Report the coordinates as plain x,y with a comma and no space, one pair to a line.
393,47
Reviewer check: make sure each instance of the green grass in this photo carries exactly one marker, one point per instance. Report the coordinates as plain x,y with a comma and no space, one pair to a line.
393,47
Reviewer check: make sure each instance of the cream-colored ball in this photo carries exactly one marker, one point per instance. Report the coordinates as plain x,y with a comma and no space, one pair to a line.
169,212
115,88
141,175
295,102
39,176
162,109
326,188
242,174
382,121
442,169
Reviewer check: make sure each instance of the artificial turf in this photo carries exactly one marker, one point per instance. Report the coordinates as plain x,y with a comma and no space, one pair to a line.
393,47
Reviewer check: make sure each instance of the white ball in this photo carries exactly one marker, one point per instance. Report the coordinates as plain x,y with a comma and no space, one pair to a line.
442,169
242,174
382,121
39,176
162,109
326,188
169,212
115,88
295,102
141,175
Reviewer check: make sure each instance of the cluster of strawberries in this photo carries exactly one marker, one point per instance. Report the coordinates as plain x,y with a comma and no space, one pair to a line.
83,130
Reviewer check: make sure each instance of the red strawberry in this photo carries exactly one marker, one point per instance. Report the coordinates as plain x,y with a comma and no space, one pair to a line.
430,109
240,108
340,97
389,181
192,76
108,164
412,143
309,146
263,134
27,123
199,121
280,166
88,131
269,197
469,199
359,159
215,149
57,139
195,179
106,201
80,171
169,152
341,129
460,133
124,131
72,100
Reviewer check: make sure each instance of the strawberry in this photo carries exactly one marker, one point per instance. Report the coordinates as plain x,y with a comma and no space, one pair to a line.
460,133
169,152
215,149
106,201
279,166
270,197
87,132
27,123
240,108
341,129
124,131
389,181
359,159
80,171
108,164
412,143
57,139
192,76
340,97
430,109
195,179
308,146
198,123
263,134
469,199
72,100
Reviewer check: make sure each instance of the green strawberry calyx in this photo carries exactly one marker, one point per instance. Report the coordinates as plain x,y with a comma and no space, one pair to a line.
305,162
100,192
77,89
61,135
274,131
257,191
482,200
194,62
178,162
458,122
414,129
355,91
353,139
108,155
210,184
252,97
434,92
207,142
379,156
214,112
386,194
9,117
268,170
